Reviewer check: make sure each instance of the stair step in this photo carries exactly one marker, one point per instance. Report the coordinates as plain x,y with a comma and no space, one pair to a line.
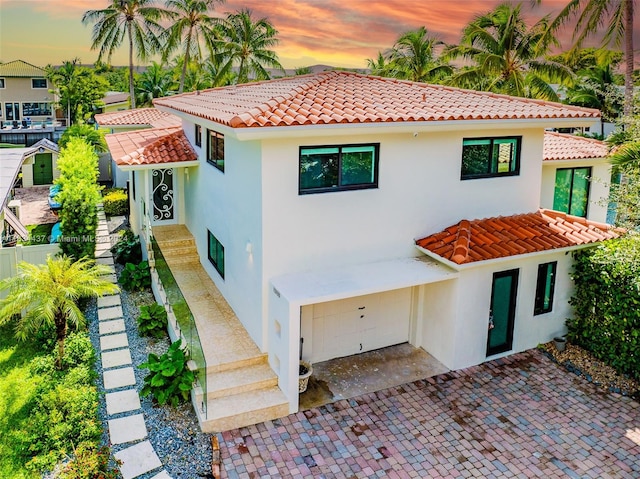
243,409
240,362
182,259
239,380
179,243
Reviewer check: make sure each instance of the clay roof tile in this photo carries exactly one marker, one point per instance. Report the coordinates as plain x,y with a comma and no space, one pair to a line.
491,238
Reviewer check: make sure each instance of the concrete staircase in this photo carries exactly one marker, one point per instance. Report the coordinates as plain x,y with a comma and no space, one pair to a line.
241,387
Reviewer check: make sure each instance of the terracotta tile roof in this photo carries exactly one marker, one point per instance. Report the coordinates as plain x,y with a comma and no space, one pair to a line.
560,146
144,117
345,97
150,147
22,69
503,236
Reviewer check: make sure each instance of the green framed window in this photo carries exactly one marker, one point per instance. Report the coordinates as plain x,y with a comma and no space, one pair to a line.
545,286
215,149
38,83
489,157
338,168
198,135
571,194
215,253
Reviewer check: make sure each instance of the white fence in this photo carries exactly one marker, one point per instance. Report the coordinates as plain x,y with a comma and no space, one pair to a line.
10,257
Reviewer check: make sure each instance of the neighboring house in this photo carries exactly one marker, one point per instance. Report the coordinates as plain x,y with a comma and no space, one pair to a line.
115,101
24,94
12,162
339,213
132,120
576,176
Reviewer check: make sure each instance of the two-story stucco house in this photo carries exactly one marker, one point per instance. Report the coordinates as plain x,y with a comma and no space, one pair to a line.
339,213
24,94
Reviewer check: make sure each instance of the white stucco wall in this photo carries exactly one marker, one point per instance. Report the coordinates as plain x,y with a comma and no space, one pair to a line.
457,312
420,192
229,205
598,189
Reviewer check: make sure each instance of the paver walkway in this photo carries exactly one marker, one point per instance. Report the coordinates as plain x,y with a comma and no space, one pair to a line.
125,419
521,416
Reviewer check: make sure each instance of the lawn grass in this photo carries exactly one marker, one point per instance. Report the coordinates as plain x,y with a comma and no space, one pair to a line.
17,393
38,234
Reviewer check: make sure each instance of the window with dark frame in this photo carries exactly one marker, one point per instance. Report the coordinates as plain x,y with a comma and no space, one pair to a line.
215,149
38,83
36,109
338,168
571,193
2,84
490,157
198,135
215,253
545,286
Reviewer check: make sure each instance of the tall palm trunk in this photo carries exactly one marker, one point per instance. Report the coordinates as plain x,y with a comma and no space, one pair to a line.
61,334
185,61
628,50
132,95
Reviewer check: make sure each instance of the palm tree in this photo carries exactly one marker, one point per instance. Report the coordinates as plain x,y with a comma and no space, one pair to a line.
155,82
379,66
192,28
46,295
412,57
596,88
508,56
247,46
615,19
138,19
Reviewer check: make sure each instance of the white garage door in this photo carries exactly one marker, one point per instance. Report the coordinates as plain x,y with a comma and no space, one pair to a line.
355,325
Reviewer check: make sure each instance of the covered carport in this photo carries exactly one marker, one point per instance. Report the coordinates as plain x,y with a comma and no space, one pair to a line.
321,315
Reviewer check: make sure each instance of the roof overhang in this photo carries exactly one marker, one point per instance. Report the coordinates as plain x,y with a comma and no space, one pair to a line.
357,280
349,129
574,161
158,166
518,257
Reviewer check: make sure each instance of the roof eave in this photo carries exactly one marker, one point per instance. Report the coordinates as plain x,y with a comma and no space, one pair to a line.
157,166
476,264
258,133
573,161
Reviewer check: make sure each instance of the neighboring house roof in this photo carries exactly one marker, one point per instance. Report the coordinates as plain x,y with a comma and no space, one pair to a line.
11,160
345,97
143,117
19,68
150,147
560,146
504,236
113,97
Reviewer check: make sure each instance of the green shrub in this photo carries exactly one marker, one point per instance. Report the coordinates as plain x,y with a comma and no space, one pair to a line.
169,379
79,197
127,249
62,417
605,301
115,202
78,350
135,277
152,320
90,462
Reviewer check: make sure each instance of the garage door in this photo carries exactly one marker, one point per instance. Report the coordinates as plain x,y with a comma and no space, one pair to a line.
350,326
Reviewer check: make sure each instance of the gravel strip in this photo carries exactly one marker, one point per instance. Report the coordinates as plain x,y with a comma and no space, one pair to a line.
582,363
185,452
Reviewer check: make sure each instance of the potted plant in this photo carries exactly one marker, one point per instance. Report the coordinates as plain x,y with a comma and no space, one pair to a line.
304,373
560,342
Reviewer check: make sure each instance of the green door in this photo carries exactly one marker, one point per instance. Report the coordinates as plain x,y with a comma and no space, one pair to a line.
503,309
43,169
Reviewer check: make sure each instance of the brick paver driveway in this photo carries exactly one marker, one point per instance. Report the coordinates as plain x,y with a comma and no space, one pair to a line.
522,416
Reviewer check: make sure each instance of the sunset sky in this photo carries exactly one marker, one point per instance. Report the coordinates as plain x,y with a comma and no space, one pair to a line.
334,32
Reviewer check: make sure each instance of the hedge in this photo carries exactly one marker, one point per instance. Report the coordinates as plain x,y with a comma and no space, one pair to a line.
115,201
606,303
